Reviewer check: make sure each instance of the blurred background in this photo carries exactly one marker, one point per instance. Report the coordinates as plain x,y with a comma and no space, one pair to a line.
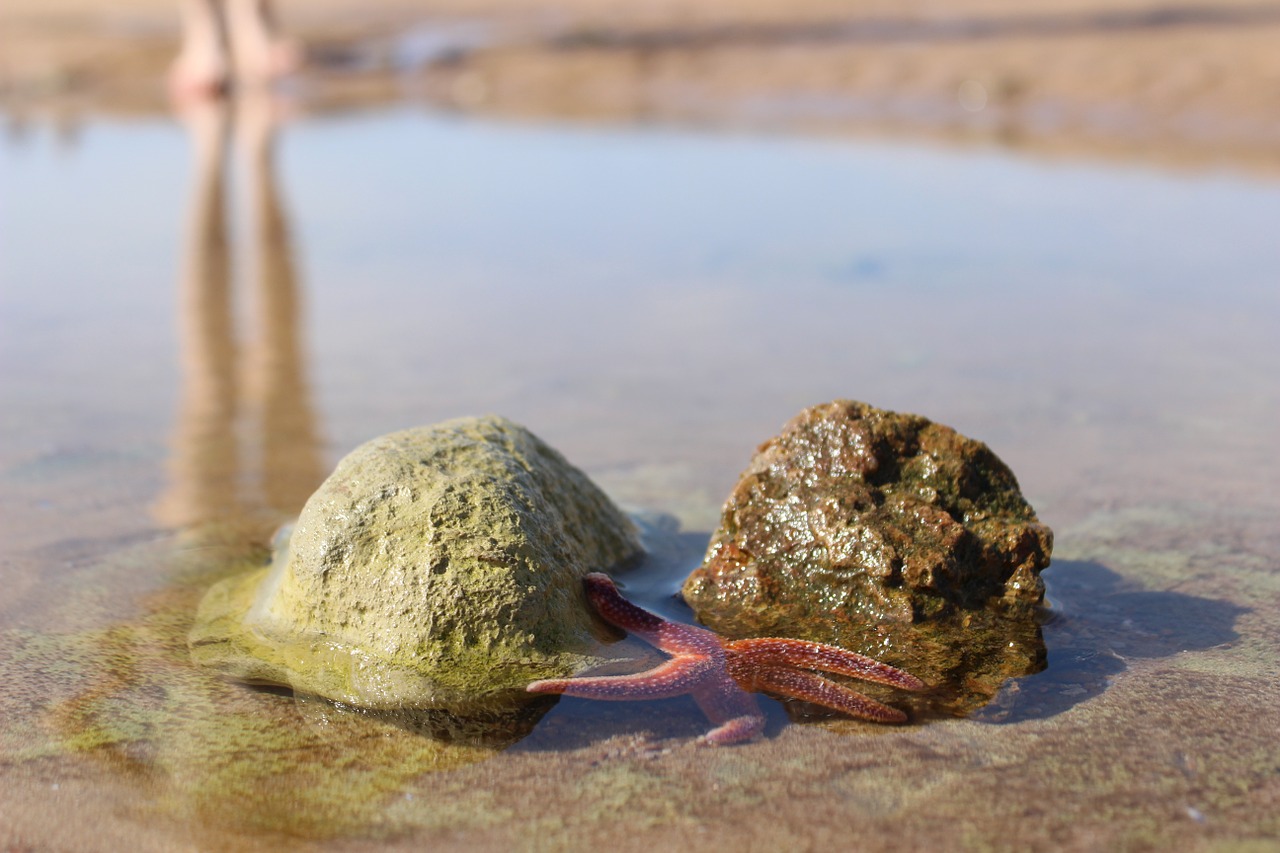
1182,82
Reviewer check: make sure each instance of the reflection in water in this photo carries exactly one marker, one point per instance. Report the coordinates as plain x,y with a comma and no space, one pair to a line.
205,753
265,384
291,466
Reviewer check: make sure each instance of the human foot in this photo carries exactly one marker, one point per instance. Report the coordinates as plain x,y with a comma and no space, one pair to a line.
260,53
198,73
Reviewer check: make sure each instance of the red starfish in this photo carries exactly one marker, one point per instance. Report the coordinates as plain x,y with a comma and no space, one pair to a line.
719,672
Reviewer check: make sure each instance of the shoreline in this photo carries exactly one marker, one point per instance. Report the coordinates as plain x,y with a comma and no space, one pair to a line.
1174,85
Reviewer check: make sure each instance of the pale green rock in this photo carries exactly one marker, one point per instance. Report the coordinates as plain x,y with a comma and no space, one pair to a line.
436,568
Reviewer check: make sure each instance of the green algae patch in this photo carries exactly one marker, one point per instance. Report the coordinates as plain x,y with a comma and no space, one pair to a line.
887,534
200,754
235,760
436,568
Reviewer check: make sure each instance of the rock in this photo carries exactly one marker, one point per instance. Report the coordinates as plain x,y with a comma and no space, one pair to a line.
438,568
887,534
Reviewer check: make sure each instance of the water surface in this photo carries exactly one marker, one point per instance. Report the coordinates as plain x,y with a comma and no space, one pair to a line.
194,331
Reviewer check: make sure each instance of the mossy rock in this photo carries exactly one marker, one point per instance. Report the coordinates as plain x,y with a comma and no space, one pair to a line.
436,568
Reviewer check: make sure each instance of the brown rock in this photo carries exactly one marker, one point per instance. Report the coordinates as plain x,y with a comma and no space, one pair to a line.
888,534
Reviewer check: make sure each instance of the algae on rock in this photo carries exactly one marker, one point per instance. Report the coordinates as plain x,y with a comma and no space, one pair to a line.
436,568
887,534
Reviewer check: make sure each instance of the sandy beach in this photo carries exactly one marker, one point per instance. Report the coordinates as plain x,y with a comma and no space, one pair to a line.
1174,83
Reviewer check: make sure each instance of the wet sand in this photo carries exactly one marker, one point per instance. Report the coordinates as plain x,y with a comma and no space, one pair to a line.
1176,83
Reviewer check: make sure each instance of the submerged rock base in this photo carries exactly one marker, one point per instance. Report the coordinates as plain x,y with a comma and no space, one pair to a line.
887,534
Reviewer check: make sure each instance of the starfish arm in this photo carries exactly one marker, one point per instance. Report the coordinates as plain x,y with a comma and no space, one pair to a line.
668,636
735,712
737,730
777,652
809,687
676,677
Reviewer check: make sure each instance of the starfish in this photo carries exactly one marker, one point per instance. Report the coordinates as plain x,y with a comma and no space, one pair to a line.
721,674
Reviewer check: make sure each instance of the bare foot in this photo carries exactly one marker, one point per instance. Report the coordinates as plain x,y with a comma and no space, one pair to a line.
201,71
261,54
280,57
198,74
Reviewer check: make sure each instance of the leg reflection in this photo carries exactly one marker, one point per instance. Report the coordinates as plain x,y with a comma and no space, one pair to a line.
216,486
204,464
291,464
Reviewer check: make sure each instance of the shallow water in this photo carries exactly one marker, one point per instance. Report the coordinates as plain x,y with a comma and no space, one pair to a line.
193,332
